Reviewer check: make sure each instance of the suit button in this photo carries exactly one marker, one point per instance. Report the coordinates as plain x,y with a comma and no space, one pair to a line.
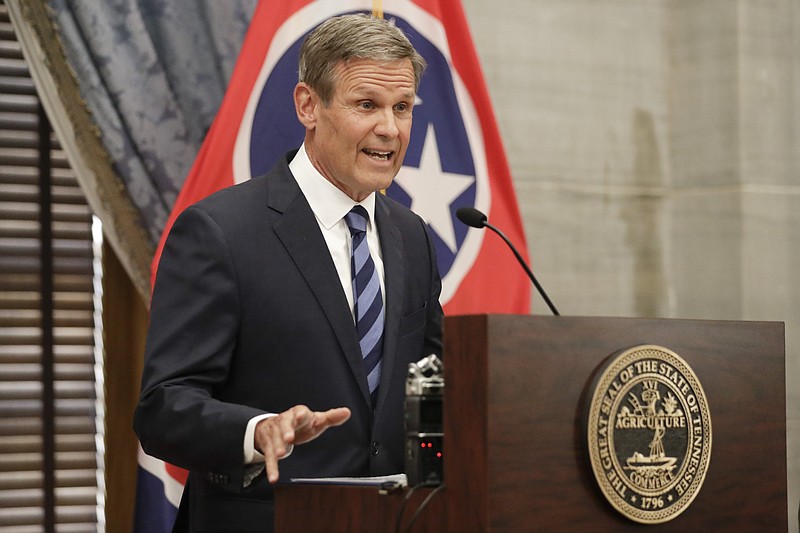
375,448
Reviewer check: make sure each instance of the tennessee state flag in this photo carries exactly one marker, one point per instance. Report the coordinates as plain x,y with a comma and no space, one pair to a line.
455,156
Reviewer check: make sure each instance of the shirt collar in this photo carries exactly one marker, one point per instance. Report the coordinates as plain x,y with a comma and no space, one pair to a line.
328,203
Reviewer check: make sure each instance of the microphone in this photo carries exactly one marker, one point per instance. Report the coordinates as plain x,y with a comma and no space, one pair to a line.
475,219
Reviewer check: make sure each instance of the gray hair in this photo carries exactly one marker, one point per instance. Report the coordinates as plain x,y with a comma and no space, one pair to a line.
356,36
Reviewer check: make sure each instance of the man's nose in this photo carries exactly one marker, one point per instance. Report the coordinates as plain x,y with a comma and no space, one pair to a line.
386,125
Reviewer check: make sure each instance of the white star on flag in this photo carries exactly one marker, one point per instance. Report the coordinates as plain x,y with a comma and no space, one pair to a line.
433,190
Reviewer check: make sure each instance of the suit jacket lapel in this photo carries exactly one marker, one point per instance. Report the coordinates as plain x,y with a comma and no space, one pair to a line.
299,232
394,273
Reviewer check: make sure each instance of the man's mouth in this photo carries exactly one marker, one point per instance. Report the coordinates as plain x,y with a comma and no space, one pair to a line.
377,154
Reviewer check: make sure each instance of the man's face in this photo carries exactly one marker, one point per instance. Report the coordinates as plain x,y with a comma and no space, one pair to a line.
359,140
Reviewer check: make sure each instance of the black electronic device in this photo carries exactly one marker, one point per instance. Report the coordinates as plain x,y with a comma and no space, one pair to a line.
424,423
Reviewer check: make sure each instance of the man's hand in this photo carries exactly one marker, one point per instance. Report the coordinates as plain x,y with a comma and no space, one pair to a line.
298,425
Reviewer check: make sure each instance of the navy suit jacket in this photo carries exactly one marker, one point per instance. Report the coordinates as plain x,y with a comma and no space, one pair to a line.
248,316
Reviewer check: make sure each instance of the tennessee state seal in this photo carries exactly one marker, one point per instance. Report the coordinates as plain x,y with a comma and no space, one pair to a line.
649,434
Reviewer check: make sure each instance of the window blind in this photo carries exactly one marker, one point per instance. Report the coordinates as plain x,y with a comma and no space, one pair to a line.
50,434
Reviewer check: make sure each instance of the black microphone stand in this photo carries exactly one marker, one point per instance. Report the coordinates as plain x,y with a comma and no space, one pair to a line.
525,266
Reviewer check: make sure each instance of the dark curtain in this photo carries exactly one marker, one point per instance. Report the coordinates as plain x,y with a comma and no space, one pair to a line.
152,74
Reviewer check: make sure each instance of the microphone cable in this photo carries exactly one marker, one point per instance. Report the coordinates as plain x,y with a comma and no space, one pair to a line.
422,506
419,510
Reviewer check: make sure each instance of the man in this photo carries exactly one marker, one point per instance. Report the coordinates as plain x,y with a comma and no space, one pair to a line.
260,340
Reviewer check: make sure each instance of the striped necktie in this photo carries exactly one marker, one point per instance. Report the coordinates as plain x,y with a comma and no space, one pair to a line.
368,308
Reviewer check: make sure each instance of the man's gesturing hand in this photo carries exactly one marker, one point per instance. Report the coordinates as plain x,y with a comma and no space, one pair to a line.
275,435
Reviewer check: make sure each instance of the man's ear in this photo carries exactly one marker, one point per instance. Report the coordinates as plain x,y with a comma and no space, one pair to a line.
306,101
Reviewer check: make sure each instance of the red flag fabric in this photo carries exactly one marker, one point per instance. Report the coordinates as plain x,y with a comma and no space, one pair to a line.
455,156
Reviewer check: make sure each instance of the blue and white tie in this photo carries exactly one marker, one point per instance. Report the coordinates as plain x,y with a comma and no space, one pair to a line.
368,308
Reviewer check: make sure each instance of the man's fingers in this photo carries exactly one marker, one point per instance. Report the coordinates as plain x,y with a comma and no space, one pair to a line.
290,420
336,417
297,425
273,448
273,438
280,437
318,422
271,462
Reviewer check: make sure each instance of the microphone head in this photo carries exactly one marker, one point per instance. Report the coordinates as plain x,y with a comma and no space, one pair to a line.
471,217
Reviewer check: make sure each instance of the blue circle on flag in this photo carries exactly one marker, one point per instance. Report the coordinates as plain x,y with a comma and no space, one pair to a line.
276,130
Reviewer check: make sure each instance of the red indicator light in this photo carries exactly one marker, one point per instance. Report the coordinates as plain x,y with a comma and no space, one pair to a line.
439,455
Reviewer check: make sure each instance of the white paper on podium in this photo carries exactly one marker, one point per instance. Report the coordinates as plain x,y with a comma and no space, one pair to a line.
375,481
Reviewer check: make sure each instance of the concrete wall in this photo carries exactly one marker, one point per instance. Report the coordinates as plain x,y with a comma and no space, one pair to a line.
655,149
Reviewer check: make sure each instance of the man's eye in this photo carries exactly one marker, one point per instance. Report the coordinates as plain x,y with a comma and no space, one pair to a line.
366,105
402,108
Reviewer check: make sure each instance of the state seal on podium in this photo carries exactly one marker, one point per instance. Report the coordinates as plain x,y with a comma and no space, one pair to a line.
648,432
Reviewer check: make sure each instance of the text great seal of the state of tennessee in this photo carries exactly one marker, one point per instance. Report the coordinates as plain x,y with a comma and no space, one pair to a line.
649,434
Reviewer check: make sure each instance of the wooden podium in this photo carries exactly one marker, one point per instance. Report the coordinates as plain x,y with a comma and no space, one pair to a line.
514,449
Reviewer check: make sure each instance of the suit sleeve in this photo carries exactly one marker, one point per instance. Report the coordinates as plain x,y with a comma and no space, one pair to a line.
194,318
